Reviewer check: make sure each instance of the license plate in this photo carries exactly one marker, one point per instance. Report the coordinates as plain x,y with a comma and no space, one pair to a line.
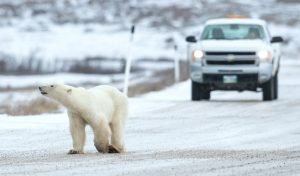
229,79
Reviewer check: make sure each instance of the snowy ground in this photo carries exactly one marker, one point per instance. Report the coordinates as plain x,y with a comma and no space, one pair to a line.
234,134
100,41
86,41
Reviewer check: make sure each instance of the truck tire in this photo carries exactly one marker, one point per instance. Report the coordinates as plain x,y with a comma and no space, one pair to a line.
276,87
199,92
269,90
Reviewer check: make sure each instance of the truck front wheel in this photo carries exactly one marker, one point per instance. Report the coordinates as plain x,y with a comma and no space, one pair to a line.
269,91
276,87
200,91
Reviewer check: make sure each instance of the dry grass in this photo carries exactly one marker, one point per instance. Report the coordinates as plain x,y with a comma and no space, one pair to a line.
35,106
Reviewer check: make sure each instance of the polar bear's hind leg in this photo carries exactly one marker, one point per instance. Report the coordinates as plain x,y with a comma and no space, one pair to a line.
102,134
117,138
117,128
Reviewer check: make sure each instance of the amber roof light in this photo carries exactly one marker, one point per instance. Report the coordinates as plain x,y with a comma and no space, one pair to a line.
235,16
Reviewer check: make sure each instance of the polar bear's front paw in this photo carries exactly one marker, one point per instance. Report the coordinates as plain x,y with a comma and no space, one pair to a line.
72,152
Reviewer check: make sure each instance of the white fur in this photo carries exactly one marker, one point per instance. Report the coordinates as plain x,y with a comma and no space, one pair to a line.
104,108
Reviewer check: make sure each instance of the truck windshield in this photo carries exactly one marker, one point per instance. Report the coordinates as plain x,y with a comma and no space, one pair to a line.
232,32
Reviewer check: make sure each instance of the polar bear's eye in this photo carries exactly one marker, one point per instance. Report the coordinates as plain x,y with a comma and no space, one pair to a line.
51,86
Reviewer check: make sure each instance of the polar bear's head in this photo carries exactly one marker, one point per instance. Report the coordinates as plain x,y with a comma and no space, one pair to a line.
56,91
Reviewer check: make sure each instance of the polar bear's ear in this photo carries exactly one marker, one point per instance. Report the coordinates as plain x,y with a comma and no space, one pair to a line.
69,91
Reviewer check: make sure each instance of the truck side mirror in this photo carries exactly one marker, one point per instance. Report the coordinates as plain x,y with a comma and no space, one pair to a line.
191,39
276,39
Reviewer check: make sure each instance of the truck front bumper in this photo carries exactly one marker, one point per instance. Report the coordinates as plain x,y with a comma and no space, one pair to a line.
211,74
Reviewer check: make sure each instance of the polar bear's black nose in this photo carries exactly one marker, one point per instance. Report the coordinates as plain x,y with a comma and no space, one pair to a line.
40,88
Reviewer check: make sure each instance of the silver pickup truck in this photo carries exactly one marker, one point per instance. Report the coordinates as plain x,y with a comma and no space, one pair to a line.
234,54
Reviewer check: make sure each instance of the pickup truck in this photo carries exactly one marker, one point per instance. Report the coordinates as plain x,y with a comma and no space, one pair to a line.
234,54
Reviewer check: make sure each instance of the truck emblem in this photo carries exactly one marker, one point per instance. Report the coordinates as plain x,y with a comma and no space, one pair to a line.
230,58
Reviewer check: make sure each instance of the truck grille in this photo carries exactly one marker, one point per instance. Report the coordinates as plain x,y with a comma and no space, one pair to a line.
230,53
239,62
230,58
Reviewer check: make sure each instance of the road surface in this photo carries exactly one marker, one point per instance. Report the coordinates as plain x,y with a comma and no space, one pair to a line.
233,134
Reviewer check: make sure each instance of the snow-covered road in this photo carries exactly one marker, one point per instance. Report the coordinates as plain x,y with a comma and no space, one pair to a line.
233,134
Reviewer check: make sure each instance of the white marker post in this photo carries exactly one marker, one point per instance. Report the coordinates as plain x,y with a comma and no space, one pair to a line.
128,61
176,64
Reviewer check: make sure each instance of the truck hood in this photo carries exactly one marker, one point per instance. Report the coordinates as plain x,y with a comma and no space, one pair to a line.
232,45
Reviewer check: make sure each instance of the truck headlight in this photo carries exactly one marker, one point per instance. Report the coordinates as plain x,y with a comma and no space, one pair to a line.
197,55
265,56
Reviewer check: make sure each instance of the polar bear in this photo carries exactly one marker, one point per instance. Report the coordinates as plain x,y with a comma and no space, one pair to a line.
104,108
